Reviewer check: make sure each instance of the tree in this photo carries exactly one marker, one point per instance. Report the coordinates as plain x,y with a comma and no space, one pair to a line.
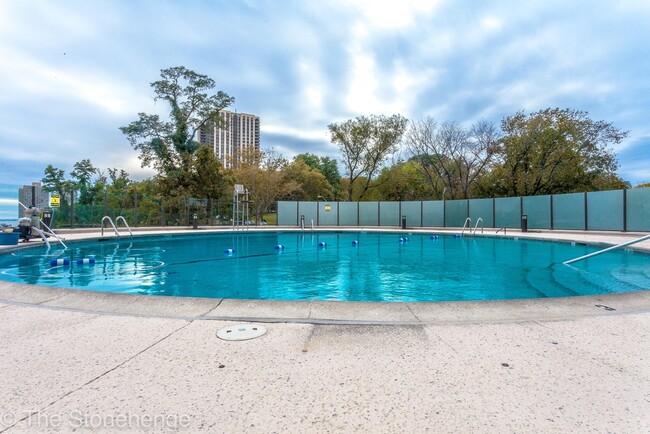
327,166
365,144
312,184
169,145
556,151
208,179
82,172
263,177
403,181
452,154
53,180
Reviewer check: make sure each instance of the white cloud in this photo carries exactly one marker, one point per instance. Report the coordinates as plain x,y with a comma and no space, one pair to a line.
391,14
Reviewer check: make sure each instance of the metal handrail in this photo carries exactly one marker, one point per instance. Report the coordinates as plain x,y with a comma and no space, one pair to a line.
117,220
467,220
49,232
112,224
479,220
499,230
618,246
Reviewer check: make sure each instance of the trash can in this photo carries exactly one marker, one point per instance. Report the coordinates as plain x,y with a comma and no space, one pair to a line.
47,218
524,223
403,222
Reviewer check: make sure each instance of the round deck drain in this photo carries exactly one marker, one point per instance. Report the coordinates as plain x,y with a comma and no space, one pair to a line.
241,332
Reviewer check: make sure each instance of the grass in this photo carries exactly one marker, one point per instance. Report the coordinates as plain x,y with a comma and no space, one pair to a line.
271,218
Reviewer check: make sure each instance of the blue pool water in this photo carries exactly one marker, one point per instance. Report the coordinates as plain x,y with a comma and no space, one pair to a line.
379,267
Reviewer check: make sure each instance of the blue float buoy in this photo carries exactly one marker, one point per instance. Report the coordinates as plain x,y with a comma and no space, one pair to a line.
434,237
456,236
322,244
84,261
58,262
403,239
279,247
355,243
229,251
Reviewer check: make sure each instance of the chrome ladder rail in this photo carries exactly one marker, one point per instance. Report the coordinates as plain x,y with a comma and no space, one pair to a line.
117,220
112,224
465,225
618,246
51,233
479,220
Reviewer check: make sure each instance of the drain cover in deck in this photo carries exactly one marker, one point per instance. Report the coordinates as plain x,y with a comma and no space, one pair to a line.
241,332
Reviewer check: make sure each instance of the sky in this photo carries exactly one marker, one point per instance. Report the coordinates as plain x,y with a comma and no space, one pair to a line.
73,72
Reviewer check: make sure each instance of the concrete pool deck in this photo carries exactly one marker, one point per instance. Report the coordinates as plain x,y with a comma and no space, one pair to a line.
79,360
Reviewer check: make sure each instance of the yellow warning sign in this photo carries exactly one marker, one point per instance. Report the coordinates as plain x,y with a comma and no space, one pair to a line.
328,208
55,201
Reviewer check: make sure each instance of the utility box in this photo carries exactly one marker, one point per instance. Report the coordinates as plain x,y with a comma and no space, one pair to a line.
524,223
403,222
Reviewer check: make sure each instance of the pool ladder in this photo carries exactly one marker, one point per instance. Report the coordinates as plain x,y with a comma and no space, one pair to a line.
468,225
117,220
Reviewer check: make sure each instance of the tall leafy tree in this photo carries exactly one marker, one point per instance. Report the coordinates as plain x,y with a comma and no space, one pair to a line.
82,173
312,184
53,179
365,144
403,181
168,145
327,166
556,151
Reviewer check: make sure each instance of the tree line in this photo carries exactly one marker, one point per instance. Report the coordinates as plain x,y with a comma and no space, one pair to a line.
383,157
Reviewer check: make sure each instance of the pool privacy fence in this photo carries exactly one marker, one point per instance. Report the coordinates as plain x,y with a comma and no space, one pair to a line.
615,210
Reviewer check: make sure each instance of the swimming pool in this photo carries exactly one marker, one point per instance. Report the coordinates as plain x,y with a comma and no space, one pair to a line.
354,266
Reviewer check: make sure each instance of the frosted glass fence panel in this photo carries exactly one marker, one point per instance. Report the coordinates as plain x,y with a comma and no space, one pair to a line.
507,212
538,211
616,210
413,213
368,213
328,213
288,213
349,213
432,213
638,209
604,210
455,213
310,211
569,211
389,214
481,208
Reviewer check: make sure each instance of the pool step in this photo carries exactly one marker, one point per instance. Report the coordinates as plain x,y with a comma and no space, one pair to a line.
544,281
634,278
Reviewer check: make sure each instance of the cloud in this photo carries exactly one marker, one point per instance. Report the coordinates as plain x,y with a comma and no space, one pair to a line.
72,72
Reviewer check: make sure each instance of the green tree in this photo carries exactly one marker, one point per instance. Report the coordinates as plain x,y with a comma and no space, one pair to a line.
312,184
403,181
365,144
327,166
53,180
82,173
555,151
168,145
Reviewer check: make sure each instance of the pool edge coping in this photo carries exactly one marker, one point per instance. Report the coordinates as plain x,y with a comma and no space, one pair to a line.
327,312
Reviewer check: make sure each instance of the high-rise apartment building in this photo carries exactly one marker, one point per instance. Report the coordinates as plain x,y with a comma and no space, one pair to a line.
236,140
34,195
